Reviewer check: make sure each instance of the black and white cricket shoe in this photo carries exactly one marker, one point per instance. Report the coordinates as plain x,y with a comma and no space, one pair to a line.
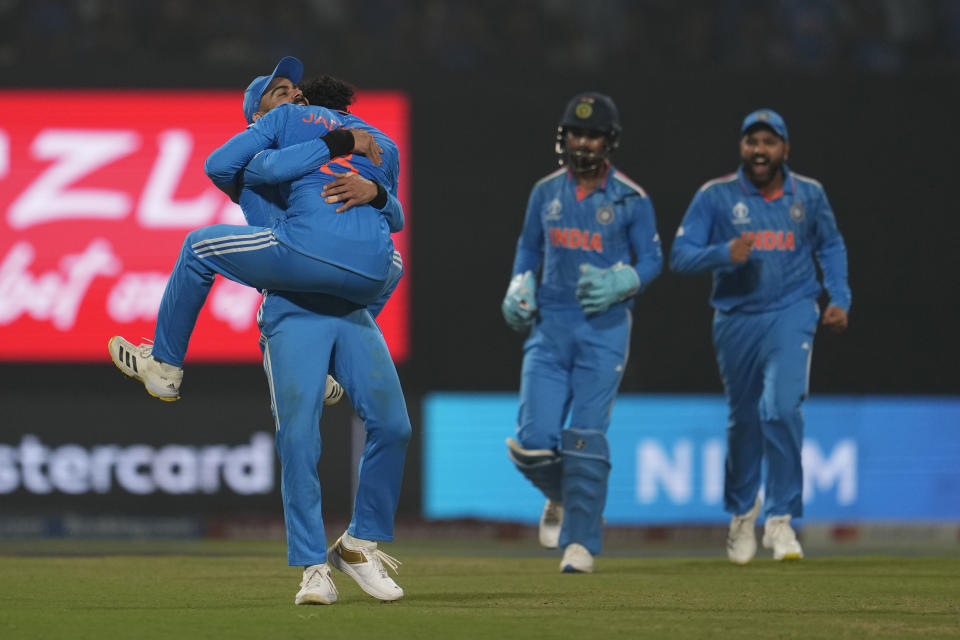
161,380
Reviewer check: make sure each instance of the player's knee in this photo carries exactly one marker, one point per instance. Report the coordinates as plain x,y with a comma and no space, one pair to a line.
392,433
195,236
537,439
781,407
403,433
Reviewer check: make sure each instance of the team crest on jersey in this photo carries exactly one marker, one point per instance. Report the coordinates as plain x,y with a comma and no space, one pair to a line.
605,214
741,214
797,211
553,210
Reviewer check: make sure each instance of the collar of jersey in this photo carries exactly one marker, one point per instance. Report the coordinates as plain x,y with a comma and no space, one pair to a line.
789,183
603,183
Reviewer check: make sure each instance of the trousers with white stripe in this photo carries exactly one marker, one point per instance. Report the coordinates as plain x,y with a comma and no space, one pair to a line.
301,336
251,256
764,361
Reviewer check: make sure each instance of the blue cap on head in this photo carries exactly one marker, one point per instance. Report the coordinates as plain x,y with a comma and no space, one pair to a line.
288,67
767,117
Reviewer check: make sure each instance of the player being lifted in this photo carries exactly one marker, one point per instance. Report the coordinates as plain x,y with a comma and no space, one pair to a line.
758,230
589,244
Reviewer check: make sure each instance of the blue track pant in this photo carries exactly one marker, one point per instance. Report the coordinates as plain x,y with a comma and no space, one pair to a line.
250,256
302,337
764,360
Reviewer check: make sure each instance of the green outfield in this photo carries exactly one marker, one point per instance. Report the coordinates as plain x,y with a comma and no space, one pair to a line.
468,589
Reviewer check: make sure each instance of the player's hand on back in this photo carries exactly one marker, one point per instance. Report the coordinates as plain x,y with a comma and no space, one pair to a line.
349,188
365,143
740,249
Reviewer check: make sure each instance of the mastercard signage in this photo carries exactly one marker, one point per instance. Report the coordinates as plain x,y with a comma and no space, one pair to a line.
98,190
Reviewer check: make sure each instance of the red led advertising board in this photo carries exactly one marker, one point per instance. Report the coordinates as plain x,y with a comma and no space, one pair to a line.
98,190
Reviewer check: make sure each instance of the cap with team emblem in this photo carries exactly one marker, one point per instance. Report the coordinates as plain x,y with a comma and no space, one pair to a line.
768,118
594,111
288,67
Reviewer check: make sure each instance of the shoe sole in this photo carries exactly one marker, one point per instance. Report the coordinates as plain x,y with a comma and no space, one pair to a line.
314,599
334,560
136,377
790,556
572,569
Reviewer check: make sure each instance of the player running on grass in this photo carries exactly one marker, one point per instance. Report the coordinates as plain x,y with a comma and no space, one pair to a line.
591,235
758,231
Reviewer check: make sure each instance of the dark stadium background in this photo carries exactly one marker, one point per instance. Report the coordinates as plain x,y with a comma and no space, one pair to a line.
869,91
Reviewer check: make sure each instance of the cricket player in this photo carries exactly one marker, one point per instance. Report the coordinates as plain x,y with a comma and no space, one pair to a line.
758,231
293,324
327,330
589,244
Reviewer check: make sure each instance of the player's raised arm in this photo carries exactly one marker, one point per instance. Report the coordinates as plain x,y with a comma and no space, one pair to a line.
225,164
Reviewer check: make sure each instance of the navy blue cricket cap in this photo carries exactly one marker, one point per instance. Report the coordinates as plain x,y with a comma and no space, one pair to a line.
593,111
288,67
769,118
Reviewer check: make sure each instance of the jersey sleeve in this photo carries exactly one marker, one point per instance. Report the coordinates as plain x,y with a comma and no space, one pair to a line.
831,252
274,166
393,209
691,251
393,212
529,253
645,242
224,165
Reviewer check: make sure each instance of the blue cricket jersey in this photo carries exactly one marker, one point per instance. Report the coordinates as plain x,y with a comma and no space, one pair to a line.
788,231
357,240
564,229
273,167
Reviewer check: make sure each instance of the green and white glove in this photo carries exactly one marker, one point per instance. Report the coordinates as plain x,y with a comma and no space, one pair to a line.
598,289
520,304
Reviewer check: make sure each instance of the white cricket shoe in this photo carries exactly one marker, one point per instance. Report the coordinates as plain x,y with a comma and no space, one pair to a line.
742,537
779,536
334,392
161,380
551,520
317,586
363,561
576,559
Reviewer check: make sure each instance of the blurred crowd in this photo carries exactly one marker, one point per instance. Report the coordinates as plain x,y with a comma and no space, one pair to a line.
883,36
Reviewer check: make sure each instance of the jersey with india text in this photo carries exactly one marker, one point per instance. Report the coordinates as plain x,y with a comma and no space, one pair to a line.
788,230
565,229
359,241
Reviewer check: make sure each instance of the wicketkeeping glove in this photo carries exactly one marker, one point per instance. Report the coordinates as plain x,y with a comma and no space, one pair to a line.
598,288
520,304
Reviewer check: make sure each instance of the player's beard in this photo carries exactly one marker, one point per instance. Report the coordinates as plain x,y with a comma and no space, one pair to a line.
763,174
